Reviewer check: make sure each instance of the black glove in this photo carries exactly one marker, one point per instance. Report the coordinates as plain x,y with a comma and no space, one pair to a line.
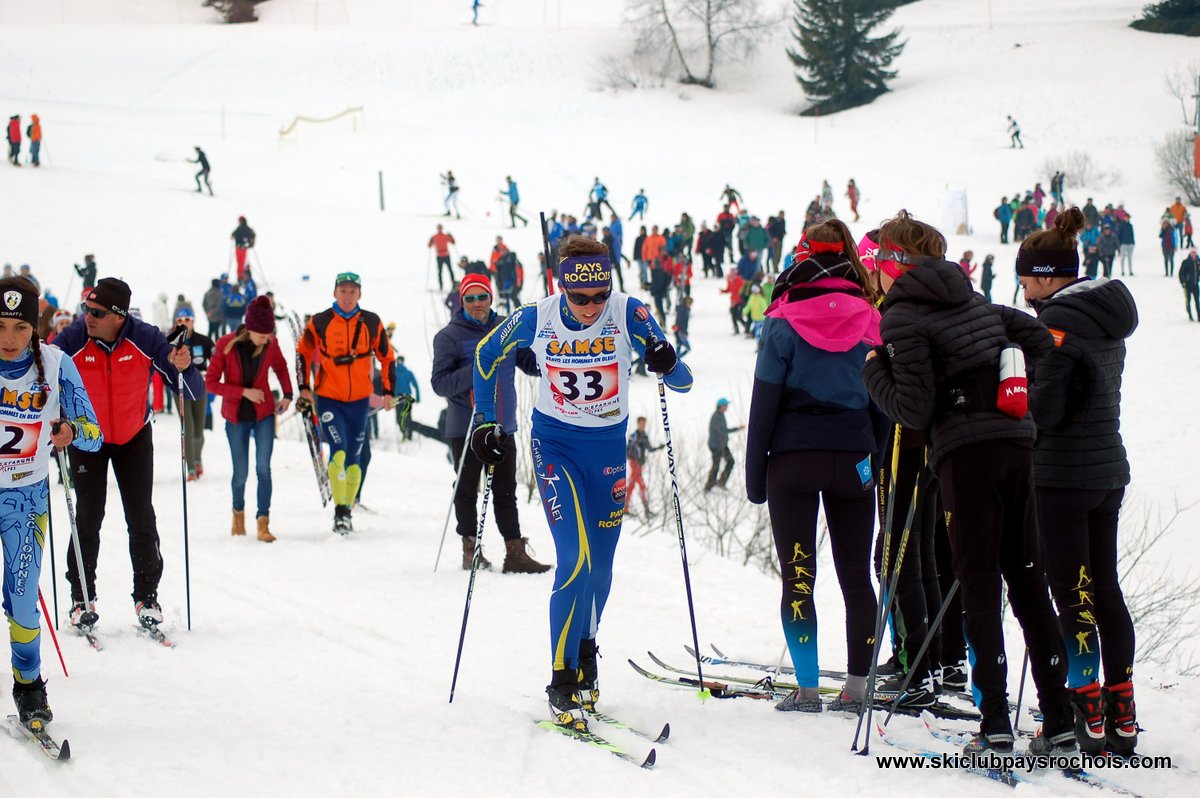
660,357
178,337
487,443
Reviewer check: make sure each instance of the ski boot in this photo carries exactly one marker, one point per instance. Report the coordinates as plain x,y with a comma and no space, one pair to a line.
518,561
1088,704
1120,719
995,735
953,678
589,689
920,693
149,613
563,696
1057,735
341,519
84,616
800,700
31,703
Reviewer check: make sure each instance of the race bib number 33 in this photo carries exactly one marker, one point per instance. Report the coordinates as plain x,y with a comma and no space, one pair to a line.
584,385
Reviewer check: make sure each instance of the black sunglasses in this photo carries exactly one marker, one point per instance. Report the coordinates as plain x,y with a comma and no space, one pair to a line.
96,313
905,258
583,300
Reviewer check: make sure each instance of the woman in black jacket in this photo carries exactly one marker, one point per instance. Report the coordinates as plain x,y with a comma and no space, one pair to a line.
938,370
1080,474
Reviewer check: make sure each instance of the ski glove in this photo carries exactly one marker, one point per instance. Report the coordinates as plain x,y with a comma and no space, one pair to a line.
660,357
487,443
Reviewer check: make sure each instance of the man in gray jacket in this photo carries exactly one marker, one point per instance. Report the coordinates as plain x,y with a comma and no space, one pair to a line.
213,305
718,444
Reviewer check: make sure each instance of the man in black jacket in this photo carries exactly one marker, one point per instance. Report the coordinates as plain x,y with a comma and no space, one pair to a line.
777,231
1189,278
243,241
938,370
204,172
453,366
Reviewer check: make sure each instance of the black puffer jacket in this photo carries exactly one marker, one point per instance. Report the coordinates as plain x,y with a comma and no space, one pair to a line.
936,330
1076,398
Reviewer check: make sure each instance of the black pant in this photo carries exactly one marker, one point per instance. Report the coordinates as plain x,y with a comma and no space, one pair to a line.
954,641
513,215
1106,262
1004,232
735,312
444,260
504,491
717,456
1191,297
917,591
133,466
203,173
1079,536
987,488
797,482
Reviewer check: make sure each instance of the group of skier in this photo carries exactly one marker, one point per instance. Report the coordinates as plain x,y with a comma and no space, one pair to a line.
33,131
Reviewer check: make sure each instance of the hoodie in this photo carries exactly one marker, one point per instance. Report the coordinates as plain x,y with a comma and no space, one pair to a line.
808,386
1075,396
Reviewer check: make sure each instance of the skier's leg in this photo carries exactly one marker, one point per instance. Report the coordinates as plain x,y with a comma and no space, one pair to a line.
89,474
133,467
238,436
792,501
1064,515
605,487
23,530
1112,614
264,446
850,512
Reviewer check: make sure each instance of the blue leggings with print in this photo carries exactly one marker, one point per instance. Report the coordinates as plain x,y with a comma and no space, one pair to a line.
23,522
581,479
344,428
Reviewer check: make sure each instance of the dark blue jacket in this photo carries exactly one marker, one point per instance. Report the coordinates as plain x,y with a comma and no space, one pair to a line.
453,367
1125,232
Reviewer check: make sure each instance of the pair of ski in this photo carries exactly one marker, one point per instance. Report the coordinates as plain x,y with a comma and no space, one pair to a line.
149,632
729,686
595,740
308,419
36,733
958,737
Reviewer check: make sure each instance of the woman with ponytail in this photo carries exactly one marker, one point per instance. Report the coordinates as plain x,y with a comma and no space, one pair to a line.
942,369
812,433
44,403
1080,474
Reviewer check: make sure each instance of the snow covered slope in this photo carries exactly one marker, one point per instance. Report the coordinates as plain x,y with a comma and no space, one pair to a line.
320,666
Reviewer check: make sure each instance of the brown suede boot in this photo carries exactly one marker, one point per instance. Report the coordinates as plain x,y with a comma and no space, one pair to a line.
264,534
518,561
469,555
239,523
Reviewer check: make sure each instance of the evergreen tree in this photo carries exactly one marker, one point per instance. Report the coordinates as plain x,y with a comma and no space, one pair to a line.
839,63
1170,16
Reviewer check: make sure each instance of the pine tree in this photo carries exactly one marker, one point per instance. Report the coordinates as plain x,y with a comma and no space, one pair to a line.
839,64
1170,16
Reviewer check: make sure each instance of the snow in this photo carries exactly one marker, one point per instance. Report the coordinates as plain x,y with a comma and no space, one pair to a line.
321,666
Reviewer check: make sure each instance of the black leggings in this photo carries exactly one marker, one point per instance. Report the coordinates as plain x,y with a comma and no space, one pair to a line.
987,488
797,482
1079,535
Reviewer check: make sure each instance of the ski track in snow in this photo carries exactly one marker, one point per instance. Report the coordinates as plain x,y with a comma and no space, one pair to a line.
321,666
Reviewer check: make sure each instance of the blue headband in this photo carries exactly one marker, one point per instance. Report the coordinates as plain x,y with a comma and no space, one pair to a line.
588,271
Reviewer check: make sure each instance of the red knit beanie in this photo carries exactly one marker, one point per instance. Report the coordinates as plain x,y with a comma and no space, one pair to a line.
474,281
260,316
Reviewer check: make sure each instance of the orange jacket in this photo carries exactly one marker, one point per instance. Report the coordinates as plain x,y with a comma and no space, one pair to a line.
338,352
653,247
441,243
35,129
1178,210
498,252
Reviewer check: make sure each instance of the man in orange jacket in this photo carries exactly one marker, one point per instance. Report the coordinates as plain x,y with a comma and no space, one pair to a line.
336,351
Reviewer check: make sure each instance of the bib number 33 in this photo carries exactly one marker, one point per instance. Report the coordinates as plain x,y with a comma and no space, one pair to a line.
584,385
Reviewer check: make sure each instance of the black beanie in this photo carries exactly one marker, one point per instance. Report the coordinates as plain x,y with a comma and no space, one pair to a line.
113,294
19,300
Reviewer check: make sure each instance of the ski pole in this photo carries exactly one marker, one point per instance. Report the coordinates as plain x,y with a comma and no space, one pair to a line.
888,514
1021,691
929,633
54,637
704,692
475,560
462,458
89,616
50,536
258,264
886,609
181,340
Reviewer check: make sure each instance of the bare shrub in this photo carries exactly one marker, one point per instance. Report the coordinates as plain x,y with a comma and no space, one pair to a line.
1081,170
1174,156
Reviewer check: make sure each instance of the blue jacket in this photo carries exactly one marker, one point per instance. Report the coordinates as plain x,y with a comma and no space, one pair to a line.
1004,213
514,196
1125,232
1089,237
405,382
618,233
453,367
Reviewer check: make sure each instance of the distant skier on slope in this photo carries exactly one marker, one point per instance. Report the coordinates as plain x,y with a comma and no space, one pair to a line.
731,197
640,203
578,444
1014,134
510,193
204,172
62,416
451,185
243,240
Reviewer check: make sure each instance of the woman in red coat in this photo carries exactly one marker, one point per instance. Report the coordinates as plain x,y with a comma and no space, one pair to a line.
238,374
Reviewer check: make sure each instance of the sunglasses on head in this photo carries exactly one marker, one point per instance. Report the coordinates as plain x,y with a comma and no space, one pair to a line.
583,299
467,298
347,277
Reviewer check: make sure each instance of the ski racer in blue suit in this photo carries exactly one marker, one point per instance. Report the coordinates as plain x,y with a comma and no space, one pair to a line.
584,341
